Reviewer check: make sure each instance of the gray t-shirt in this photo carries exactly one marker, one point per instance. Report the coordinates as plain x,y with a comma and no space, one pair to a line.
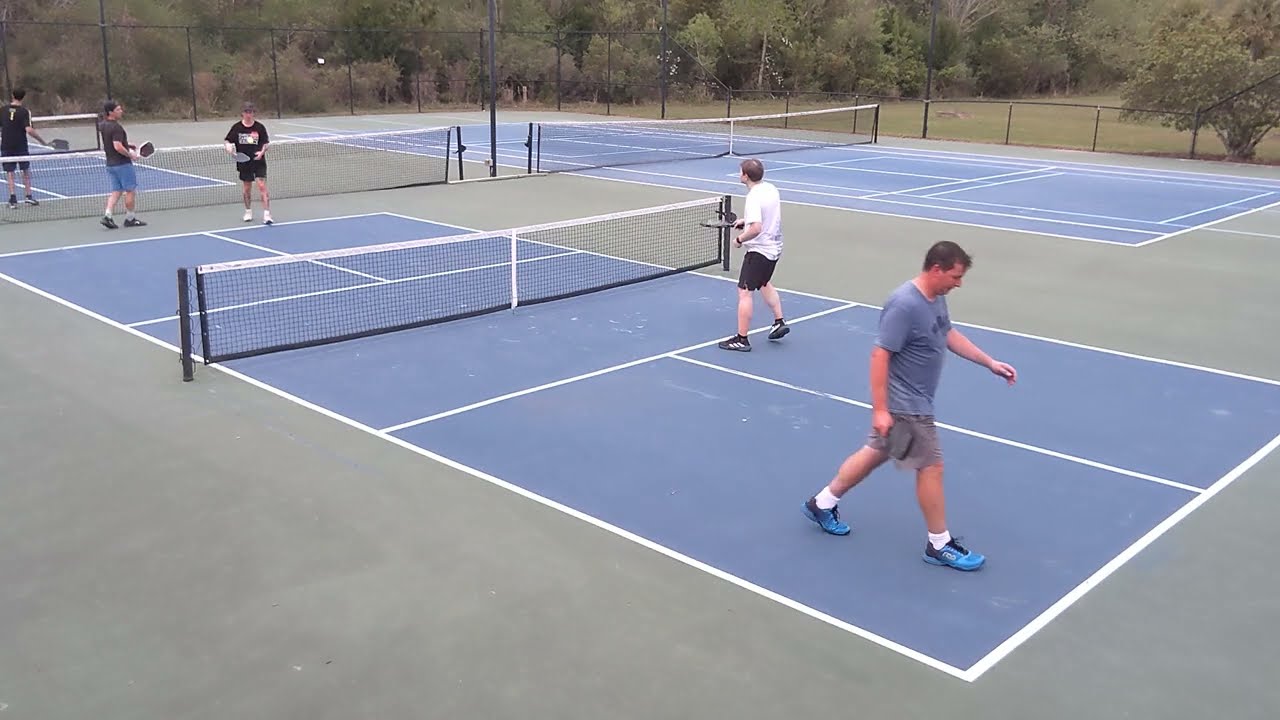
915,331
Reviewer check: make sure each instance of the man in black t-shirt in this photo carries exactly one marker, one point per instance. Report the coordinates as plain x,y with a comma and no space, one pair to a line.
119,156
249,136
15,126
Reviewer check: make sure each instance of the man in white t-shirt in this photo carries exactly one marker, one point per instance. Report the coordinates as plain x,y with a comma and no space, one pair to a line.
761,226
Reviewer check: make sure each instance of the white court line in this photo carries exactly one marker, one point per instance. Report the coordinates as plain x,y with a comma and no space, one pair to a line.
1021,636
970,675
967,675
594,373
965,181
987,328
363,286
711,570
1219,221
984,186
1215,207
281,253
1239,232
954,428
863,211
170,236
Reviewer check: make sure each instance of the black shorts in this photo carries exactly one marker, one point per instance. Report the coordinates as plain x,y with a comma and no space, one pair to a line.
252,169
757,271
11,166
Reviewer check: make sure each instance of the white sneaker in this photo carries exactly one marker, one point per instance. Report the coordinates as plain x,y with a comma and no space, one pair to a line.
248,215
266,218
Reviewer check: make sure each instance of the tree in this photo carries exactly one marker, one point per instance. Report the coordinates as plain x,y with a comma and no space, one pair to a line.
1193,61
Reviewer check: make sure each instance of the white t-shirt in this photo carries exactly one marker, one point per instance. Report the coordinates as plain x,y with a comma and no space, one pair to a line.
765,207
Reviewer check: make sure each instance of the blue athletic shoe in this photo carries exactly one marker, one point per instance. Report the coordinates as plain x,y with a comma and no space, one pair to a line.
828,520
953,554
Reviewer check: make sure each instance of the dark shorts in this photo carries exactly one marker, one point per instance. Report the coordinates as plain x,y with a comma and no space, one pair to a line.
925,449
11,166
252,169
757,271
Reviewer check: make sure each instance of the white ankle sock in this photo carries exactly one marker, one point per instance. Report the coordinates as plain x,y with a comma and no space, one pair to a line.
939,541
826,500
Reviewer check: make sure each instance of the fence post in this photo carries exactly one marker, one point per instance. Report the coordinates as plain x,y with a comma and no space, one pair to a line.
1097,118
559,59
1195,130
351,83
924,125
4,50
1008,124
608,73
275,72
106,63
665,67
417,64
191,71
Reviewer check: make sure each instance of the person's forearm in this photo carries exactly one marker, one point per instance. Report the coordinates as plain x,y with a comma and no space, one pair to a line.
880,379
964,347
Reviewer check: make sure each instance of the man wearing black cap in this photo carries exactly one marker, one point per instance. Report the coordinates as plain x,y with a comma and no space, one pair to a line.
249,136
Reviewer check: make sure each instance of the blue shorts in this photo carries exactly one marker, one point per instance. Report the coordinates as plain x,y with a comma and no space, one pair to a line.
123,177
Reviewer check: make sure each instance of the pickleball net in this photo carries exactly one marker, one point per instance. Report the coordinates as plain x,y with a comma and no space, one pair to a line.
581,145
244,308
76,184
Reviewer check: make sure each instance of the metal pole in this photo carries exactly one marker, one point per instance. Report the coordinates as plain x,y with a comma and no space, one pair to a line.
665,69
191,72
493,93
928,69
4,49
106,64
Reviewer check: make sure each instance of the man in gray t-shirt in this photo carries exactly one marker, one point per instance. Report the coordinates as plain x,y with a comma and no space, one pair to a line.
906,365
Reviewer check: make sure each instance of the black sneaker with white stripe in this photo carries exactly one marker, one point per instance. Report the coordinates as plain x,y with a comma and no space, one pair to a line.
737,342
780,329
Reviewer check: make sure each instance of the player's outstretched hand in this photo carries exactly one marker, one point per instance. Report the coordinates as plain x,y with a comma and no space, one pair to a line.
1004,370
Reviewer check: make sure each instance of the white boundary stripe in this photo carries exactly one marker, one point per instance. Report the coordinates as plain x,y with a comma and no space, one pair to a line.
1241,232
954,428
1216,207
983,186
969,675
960,181
880,213
988,328
171,236
658,211
1219,221
594,373
363,286
1066,601
577,514
281,253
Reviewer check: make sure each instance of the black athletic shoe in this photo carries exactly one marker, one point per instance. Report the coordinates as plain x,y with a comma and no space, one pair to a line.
780,329
108,223
32,201
737,342
135,222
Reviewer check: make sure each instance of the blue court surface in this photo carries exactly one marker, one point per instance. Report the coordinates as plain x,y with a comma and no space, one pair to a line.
1080,201
618,408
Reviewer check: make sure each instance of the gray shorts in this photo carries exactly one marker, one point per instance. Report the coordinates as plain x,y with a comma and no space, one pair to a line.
925,449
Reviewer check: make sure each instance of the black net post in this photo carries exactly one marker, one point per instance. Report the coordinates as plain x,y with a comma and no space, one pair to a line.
461,149
184,325
726,233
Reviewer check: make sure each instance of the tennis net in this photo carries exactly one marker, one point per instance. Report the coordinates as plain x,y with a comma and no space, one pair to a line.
252,307
582,145
71,185
77,133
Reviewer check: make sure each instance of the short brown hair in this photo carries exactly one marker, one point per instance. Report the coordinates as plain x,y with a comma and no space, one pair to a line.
946,255
754,169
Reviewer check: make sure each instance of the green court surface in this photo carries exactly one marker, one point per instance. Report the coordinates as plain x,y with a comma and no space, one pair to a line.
177,550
